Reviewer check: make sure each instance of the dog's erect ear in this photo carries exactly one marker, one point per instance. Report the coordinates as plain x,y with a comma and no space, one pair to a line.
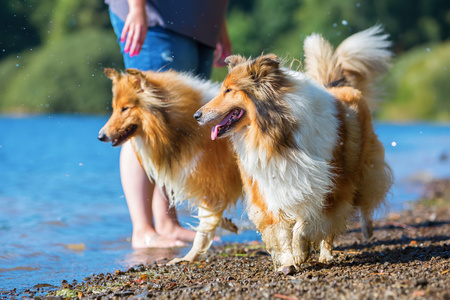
234,60
269,60
111,74
137,78
263,66
146,84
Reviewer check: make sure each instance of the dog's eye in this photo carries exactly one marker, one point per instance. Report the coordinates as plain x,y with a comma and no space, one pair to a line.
124,108
227,91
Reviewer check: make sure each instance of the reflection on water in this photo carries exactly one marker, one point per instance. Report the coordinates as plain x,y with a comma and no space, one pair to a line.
152,255
62,211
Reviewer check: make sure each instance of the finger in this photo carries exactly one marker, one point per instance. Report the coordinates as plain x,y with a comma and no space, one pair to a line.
130,38
219,59
136,44
123,35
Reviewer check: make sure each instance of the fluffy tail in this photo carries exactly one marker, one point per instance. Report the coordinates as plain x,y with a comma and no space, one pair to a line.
357,62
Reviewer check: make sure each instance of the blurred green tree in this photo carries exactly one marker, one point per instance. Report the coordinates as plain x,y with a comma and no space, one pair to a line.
39,70
65,72
418,88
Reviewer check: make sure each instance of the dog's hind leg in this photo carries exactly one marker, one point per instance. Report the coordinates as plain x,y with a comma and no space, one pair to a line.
205,235
326,248
366,224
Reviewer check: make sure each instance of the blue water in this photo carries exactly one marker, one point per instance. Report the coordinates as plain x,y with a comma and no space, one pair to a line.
62,210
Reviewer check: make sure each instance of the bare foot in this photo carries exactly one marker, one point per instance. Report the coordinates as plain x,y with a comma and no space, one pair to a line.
178,233
155,241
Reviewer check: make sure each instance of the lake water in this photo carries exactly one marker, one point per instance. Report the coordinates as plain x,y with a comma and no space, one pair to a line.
63,215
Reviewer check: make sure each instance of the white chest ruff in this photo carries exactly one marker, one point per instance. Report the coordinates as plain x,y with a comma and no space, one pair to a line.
173,178
295,185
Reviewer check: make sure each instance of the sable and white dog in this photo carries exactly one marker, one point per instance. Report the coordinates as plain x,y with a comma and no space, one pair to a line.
306,147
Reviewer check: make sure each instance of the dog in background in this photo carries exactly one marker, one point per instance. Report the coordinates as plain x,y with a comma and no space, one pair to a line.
306,147
154,111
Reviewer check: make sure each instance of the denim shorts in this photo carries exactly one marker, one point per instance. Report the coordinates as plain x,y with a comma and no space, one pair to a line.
164,49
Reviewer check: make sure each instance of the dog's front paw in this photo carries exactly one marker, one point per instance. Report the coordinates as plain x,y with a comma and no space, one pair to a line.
177,260
300,257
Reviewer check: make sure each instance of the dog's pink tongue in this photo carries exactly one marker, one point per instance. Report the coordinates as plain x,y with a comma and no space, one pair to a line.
215,130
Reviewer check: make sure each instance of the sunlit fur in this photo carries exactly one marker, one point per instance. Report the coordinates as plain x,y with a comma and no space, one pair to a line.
173,149
306,147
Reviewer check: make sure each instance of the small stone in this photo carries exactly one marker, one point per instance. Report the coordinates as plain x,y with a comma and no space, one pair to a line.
289,270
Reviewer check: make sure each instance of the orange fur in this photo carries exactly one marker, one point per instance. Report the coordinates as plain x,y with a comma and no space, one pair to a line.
154,111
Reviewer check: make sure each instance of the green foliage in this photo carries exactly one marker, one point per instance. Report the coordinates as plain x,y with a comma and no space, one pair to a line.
52,52
74,15
16,32
25,24
64,76
419,86
281,25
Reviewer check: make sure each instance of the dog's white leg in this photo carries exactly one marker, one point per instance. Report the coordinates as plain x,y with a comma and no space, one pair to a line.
300,244
278,240
204,237
326,248
285,256
366,224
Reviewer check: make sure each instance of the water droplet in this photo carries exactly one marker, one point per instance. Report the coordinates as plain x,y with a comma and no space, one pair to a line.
334,25
393,144
428,50
344,22
358,4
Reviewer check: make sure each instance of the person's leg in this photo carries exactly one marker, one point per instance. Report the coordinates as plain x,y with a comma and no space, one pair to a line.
176,52
141,195
138,193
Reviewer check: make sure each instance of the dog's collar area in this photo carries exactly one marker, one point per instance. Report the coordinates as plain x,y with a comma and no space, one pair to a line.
230,119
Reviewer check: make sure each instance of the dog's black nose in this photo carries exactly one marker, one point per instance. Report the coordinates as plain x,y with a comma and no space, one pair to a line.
198,115
103,137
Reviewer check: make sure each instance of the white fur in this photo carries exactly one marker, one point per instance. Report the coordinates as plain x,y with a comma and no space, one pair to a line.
297,181
366,52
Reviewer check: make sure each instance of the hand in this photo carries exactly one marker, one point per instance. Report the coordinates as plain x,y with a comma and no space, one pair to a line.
135,28
223,47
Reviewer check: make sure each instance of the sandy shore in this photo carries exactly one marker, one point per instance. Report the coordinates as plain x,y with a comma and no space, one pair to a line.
408,258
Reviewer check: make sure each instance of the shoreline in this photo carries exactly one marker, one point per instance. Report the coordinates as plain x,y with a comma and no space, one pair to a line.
408,257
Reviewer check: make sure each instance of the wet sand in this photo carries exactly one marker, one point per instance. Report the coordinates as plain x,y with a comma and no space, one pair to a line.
407,258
